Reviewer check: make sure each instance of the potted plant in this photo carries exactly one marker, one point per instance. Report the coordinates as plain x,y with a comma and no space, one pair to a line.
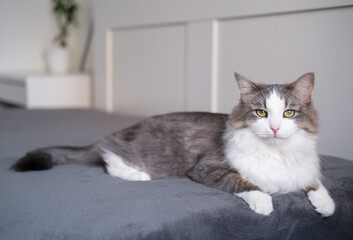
58,58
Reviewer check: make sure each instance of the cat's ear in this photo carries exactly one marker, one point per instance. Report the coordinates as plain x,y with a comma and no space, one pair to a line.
246,86
303,87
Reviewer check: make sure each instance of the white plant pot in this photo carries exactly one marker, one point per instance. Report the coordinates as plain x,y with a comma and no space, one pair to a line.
58,60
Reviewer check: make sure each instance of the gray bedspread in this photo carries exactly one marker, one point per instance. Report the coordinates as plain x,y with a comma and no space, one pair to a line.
82,202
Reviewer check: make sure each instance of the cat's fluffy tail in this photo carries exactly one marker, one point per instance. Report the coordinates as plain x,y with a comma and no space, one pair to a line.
46,158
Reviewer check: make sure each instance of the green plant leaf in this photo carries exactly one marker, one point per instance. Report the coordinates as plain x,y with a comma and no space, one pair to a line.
65,12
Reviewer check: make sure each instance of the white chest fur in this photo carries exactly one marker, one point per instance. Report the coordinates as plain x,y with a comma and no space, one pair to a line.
290,166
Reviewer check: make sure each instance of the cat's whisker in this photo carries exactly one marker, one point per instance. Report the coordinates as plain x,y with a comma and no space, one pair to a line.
323,159
227,123
321,149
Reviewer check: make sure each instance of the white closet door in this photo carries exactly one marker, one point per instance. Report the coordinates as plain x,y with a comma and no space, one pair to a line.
148,70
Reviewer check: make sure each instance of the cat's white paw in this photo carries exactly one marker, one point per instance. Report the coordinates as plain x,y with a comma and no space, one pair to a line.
258,201
139,176
322,201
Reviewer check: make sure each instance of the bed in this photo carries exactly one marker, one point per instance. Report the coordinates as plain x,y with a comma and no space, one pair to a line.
82,202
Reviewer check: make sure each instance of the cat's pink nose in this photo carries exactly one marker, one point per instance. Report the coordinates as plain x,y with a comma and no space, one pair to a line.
275,129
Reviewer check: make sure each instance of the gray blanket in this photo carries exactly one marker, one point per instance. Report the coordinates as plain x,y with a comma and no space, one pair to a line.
83,202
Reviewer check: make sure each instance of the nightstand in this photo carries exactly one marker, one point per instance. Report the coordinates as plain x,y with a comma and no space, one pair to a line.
46,91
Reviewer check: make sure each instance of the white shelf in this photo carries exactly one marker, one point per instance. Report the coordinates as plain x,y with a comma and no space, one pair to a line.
45,91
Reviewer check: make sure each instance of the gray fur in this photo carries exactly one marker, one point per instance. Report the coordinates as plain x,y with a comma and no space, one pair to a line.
169,145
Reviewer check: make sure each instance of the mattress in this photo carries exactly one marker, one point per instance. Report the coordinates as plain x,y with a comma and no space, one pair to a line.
82,202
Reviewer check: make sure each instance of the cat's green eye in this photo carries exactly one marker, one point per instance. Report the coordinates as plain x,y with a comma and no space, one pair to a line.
289,113
261,113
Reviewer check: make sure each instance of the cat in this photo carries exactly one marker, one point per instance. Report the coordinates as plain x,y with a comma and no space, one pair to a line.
266,145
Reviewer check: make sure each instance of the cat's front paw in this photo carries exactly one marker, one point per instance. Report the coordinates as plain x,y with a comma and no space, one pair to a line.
322,201
258,201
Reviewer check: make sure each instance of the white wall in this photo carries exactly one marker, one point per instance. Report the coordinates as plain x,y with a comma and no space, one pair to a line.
27,28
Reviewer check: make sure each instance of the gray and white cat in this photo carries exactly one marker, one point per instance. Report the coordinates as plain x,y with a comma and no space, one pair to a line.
266,145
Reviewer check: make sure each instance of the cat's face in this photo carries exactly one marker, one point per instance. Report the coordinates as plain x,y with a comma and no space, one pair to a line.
275,112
